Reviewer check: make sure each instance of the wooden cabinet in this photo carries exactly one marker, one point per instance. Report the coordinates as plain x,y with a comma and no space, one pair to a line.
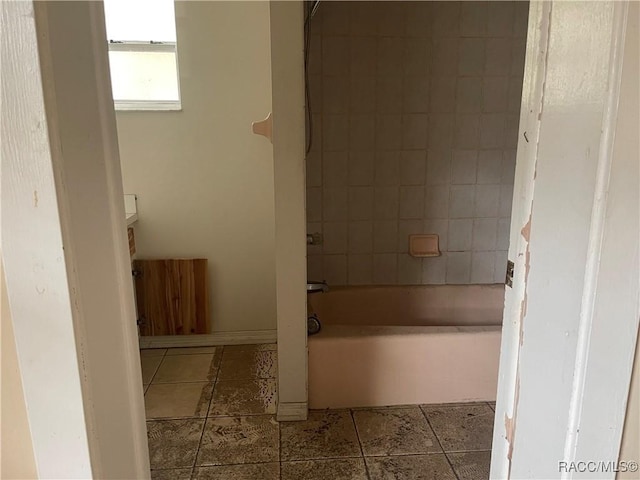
172,296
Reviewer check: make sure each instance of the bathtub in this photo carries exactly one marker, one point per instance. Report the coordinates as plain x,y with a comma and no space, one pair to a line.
401,345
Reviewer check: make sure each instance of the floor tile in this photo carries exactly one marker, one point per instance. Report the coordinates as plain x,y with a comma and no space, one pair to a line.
395,431
258,347
251,471
343,469
152,352
233,440
173,400
462,427
173,443
192,350
410,467
248,364
186,368
149,366
471,465
244,397
171,474
326,434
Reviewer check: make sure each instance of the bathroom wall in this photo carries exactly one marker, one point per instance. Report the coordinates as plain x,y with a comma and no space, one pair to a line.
204,182
415,115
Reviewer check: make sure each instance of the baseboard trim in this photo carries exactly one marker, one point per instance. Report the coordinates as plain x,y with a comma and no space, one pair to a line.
292,411
210,340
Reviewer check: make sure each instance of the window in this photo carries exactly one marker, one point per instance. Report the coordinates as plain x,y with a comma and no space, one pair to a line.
142,54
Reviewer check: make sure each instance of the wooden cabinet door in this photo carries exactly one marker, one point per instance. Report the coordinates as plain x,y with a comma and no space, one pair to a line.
172,296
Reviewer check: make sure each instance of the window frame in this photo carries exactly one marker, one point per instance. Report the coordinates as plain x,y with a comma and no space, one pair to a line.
147,105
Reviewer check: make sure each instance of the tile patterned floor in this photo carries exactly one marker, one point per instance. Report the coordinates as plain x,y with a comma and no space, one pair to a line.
211,416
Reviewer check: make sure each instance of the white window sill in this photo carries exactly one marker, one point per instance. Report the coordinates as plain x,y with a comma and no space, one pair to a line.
147,106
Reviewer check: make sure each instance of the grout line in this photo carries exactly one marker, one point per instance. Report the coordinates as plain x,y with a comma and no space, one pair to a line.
279,449
215,381
439,443
364,460
204,425
156,370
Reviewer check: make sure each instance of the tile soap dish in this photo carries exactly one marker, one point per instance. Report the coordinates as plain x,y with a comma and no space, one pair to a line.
424,245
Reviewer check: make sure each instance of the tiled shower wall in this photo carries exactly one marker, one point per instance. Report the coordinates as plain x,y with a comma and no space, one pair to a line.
415,116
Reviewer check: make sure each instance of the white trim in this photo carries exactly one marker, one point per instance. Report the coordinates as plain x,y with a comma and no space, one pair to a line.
249,337
292,411
33,254
596,233
148,105
142,47
287,80
134,412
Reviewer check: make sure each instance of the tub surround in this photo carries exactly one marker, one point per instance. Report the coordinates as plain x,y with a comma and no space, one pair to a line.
416,108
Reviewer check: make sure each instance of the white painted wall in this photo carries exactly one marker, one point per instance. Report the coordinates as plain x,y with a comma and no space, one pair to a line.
204,181
17,460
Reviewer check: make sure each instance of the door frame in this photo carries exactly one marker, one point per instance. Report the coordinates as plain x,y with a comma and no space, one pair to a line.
597,333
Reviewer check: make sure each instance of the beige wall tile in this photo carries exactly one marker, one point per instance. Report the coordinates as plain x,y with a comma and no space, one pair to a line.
473,19
500,19
416,94
436,202
464,167
471,56
360,237
335,269
487,201
385,236
498,56
334,169
414,131
446,19
390,56
458,267
490,166
413,167
335,94
416,112
417,58
360,269
495,94
460,235
335,55
389,94
361,132
334,203
482,267
362,94
418,22
360,203
361,168
385,203
385,269
334,237
411,202
409,270
485,232
469,95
